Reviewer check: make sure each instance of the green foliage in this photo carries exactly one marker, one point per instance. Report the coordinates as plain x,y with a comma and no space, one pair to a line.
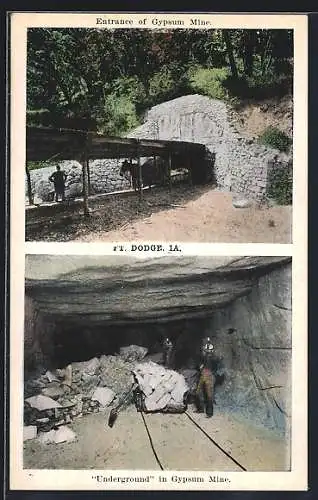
275,138
119,115
161,83
209,82
168,83
129,86
280,185
35,165
114,76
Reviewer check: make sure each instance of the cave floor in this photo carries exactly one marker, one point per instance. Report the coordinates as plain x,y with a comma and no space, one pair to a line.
178,443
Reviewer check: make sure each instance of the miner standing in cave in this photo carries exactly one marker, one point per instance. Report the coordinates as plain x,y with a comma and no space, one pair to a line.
168,353
58,178
210,368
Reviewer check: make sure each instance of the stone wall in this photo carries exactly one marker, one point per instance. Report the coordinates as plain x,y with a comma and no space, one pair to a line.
241,164
104,178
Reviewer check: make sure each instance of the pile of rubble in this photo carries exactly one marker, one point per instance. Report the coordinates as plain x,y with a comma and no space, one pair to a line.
163,389
55,398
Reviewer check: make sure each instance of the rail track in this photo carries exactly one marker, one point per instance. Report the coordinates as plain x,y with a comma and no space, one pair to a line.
207,440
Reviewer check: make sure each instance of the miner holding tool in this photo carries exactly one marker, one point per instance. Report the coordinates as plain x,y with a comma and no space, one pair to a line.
210,368
133,394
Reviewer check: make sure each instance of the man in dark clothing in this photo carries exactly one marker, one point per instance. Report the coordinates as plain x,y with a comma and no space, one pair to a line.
168,352
211,366
58,178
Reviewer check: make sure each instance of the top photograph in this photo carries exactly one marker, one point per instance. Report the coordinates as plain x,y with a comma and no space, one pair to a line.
159,134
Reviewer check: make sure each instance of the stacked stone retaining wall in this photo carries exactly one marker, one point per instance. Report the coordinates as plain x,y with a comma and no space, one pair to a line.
241,165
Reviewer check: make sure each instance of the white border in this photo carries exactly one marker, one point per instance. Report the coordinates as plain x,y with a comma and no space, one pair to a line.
296,479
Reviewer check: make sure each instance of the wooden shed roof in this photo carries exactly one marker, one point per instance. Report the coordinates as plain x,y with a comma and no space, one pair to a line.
64,144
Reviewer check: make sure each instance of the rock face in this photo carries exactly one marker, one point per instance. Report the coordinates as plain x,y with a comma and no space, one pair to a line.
96,305
241,165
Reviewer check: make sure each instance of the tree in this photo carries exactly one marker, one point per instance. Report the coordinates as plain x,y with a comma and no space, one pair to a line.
230,53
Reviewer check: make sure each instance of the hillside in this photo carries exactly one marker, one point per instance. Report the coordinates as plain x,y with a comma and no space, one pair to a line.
252,117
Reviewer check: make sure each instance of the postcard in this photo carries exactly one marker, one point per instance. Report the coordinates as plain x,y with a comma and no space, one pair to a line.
158,271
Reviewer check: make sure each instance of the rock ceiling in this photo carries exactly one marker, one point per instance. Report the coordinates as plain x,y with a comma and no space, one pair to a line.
122,290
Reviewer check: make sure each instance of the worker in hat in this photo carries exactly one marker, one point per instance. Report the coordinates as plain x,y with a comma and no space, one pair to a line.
168,352
209,368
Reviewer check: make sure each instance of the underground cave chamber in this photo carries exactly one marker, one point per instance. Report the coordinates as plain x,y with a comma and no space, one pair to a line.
78,308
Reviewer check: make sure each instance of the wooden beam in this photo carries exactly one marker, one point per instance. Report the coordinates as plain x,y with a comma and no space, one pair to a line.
43,143
169,170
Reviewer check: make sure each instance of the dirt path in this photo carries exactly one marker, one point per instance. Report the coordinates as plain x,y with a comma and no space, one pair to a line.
210,218
178,444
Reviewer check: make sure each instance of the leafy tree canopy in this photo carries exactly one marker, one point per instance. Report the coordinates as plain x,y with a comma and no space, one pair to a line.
113,76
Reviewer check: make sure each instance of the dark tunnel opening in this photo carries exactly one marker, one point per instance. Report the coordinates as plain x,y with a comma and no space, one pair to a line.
64,341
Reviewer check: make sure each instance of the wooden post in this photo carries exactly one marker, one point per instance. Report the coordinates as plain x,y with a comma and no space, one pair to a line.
159,174
139,177
85,186
88,178
30,194
85,161
132,180
190,171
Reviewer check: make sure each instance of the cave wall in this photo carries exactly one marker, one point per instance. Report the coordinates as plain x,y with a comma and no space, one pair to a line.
39,338
258,354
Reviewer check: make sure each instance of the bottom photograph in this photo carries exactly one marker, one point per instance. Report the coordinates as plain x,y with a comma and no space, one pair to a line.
163,363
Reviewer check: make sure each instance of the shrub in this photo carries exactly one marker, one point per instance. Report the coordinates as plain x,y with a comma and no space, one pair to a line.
119,115
130,87
275,138
162,85
280,185
209,81
35,165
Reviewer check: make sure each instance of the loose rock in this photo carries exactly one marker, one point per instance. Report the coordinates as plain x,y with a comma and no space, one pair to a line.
103,395
162,388
51,377
41,402
241,203
133,353
53,390
29,432
62,435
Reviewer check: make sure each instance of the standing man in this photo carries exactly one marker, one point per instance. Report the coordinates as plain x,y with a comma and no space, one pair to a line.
168,352
58,178
210,367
